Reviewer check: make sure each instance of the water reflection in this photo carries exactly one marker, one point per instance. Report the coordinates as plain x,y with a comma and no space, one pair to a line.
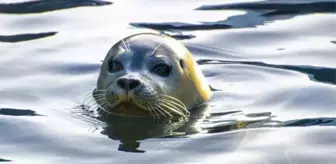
311,122
25,37
130,131
262,12
4,160
234,120
257,13
18,112
47,5
167,26
277,8
319,74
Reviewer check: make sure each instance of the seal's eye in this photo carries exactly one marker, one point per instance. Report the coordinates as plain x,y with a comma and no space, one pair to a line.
181,63
161,69
115,66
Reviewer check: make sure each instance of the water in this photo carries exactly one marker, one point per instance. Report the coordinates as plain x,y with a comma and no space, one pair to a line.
272,64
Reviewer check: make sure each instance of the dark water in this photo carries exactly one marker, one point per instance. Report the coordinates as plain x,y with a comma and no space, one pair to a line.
271,65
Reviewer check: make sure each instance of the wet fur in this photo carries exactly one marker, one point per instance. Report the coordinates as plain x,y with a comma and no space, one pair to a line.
184,90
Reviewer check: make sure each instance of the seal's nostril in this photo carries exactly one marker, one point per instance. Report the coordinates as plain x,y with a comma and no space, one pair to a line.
133,83
128,84
122,83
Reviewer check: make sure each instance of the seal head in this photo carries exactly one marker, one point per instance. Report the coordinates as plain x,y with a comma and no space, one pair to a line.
150,74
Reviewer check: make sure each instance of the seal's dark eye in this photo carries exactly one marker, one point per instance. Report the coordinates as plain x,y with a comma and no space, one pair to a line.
161,69
181,63
115,66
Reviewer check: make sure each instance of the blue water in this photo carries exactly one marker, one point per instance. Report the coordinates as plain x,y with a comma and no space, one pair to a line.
271,63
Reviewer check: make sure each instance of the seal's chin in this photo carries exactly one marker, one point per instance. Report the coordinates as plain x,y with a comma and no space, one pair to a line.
128,109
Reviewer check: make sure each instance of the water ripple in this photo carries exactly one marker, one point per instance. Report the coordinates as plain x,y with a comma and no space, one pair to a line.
182,26
18,112
320,74
311,122
259,13
47,5
278,8
4,160
25,37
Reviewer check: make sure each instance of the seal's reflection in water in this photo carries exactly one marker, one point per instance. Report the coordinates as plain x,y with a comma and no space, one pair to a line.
131,130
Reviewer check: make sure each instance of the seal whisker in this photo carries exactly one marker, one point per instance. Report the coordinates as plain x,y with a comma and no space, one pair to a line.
155,112
87,97
151,112
102,113
93,96
172,108
100,101
100,98
128,46
89,93
97,105
146,88
103,107
98,90
100,104
151,109
89,102
157,109
125,46
156,48
176,105
97,99
98,94
92,107
172,102
170,115
175,100
165,113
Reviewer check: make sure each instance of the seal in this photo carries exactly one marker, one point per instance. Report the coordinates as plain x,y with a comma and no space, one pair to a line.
150,74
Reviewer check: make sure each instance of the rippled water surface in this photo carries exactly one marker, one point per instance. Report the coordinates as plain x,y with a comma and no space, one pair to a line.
271,63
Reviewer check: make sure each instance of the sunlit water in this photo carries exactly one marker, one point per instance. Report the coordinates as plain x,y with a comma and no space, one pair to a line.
272,64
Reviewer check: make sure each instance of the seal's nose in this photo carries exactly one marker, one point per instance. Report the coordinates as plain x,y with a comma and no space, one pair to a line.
128,84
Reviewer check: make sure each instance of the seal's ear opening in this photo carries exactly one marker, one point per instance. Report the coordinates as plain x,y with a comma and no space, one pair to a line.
182,63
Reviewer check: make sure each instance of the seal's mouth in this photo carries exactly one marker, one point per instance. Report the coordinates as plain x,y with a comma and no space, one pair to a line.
145,104
129,109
